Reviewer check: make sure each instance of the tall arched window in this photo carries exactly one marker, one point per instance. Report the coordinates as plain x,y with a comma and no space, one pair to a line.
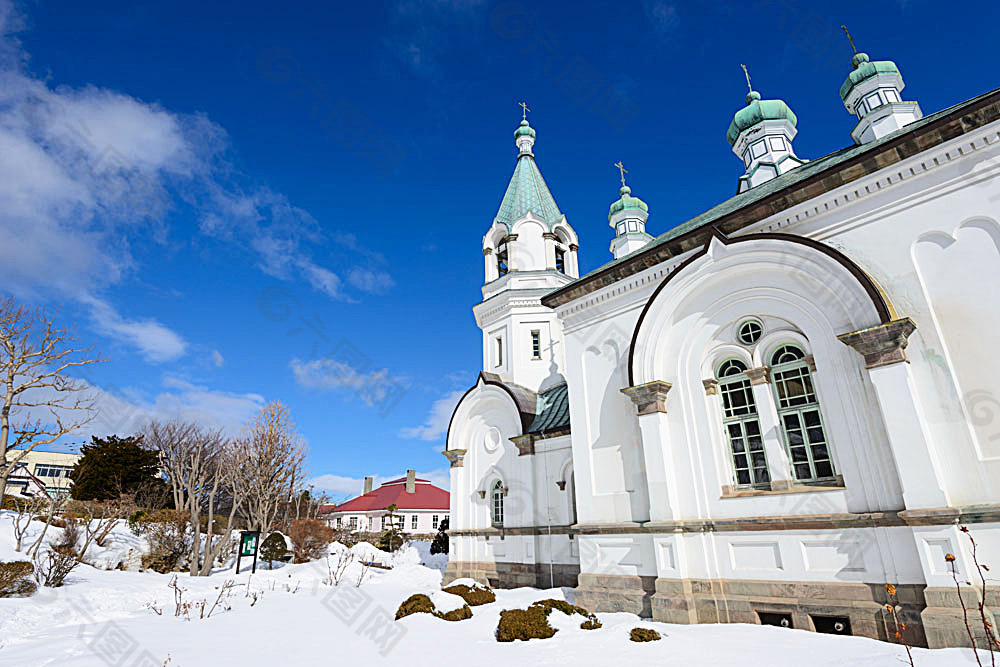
739,412
798,412
497,503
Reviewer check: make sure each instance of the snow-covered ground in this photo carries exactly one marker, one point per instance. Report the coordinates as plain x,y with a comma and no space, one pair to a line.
291,616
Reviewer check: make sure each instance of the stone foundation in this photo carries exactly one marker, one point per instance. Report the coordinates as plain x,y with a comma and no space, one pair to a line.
944,621
616,592
514,575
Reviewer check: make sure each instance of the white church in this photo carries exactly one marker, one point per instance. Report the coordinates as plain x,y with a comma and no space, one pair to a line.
767,413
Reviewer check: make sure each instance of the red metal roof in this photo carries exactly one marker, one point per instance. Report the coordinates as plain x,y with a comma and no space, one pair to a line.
426,496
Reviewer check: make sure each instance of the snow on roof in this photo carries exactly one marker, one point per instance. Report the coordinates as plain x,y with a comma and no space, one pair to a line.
426,496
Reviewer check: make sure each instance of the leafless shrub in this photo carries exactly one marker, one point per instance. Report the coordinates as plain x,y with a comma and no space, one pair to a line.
52,567
310,538
336,567
26,510
169,537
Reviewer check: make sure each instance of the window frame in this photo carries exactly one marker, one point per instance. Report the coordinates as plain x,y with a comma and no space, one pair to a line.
746,419
496,504
783,376
536,344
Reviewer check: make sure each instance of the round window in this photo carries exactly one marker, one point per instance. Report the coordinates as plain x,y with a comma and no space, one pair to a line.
749,331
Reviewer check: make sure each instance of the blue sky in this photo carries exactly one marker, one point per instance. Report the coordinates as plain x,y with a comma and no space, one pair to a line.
243,202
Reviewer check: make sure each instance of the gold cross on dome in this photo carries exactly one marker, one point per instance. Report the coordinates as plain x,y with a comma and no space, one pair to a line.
524,110
623,171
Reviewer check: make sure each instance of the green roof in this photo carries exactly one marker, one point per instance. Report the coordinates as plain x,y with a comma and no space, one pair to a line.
524,130
627,202
527,192
789,178
552,411
756,111
864,70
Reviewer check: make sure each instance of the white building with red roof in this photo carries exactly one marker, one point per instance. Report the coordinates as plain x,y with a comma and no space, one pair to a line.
421,506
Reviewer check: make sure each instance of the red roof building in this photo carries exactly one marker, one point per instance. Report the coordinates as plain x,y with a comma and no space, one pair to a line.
421,505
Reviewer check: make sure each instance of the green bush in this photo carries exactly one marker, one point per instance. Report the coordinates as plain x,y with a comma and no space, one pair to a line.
533,622
273,548
15,579
643,635
473,595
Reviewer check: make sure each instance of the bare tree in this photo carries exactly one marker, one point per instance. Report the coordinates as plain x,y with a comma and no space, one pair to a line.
35,357
197,464
271,457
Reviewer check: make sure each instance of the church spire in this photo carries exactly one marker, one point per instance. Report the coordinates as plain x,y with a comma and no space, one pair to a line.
761,134
627,217
872,93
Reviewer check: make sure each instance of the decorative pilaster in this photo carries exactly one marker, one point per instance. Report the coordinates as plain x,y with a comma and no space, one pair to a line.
455,456
650,401
650,397
881,345
883,348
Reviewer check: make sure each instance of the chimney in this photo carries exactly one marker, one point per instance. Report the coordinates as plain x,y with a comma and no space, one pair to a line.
369,482
411,481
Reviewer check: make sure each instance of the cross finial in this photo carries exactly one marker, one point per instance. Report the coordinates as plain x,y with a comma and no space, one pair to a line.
849,38
524,110
747,75
623,171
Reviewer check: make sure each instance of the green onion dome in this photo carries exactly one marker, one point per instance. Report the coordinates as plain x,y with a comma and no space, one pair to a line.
524,131
756,111
627,202
864,70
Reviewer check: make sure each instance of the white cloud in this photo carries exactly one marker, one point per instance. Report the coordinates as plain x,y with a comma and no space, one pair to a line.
341,487
373,387
662,15
154,341
86,171
217,359
125,410
436,425
373,282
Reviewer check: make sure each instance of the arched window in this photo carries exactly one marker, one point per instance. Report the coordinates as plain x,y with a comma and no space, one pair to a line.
497,498
799,414
739,414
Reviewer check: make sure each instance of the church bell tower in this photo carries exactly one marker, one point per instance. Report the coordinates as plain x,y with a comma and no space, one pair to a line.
529,250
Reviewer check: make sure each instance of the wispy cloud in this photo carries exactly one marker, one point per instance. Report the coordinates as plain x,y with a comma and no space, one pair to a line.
90,173
373,282
436,424
154,341
216,358
372,387
420,30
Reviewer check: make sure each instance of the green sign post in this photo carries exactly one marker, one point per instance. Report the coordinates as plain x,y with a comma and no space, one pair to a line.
249,539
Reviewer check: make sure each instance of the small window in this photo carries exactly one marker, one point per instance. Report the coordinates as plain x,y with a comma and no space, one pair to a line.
786,354
731,367
746,157
560,260
890,94
383,522
873,101
354,523
776,143
499,351
413,522
536,344
621,228
758,149
749,332
633,225
434,521
340,522
497,499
